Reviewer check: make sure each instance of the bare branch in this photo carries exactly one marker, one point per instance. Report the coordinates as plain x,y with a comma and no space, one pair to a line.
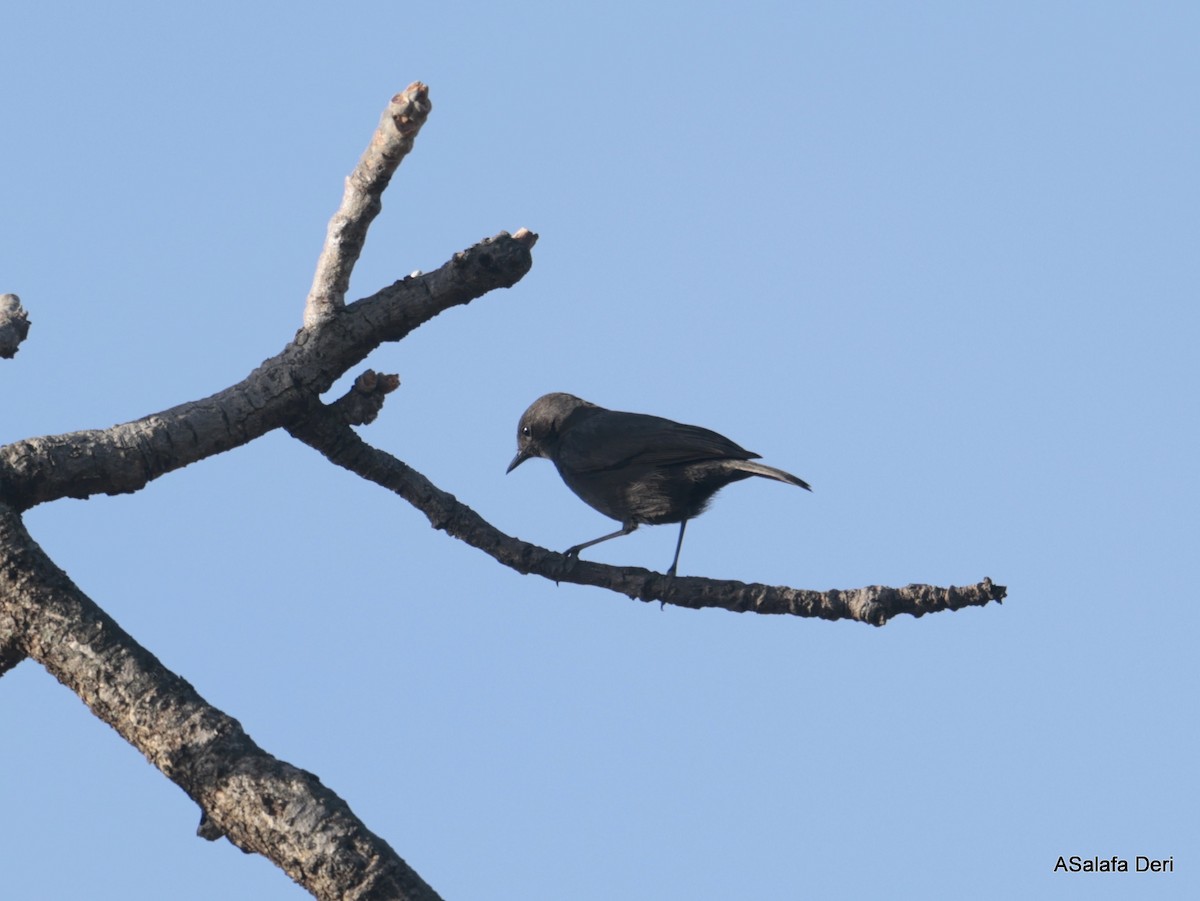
363,199
327,433
14,325
260,803
125,457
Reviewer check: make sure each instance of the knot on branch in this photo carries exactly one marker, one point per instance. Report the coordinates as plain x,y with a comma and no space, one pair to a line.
362,403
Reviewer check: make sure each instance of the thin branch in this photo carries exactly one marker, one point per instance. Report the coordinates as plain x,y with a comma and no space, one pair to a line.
327,432
261,804
124,458
363,199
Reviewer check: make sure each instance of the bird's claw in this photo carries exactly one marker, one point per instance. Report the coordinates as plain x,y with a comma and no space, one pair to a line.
662,601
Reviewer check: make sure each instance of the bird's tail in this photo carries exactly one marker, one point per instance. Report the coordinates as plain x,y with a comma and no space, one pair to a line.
770,472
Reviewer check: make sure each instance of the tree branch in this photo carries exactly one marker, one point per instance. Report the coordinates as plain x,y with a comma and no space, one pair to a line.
126,457
261,804
327,432
363,200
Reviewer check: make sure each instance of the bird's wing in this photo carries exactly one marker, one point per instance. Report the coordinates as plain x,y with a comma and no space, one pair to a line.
612,440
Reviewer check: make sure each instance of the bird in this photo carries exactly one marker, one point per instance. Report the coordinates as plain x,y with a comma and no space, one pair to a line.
632,467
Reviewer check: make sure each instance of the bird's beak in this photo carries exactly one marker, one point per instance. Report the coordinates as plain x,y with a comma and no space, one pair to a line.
522,455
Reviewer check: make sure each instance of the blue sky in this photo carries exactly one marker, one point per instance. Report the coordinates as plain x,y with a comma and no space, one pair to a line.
938,259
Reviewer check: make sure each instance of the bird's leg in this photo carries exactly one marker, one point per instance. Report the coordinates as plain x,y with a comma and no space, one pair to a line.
624,530
678,547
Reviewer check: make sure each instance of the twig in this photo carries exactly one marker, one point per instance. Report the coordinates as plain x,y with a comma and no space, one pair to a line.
362,201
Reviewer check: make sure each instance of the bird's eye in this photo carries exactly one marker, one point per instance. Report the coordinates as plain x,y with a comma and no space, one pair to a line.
525,431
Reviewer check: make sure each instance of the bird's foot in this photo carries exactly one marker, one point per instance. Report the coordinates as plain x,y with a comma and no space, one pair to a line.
662,602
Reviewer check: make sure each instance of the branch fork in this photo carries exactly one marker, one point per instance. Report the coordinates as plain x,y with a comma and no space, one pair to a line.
259,803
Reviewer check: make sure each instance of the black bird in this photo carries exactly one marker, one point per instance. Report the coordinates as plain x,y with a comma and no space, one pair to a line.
632,467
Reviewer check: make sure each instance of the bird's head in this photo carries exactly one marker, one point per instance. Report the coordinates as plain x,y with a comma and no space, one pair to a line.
542,424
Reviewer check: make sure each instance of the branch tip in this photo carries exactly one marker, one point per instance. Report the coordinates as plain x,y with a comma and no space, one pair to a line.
362,403
371,381
525,236
14,325
362,200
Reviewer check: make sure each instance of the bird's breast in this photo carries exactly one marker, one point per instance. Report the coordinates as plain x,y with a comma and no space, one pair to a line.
642,494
